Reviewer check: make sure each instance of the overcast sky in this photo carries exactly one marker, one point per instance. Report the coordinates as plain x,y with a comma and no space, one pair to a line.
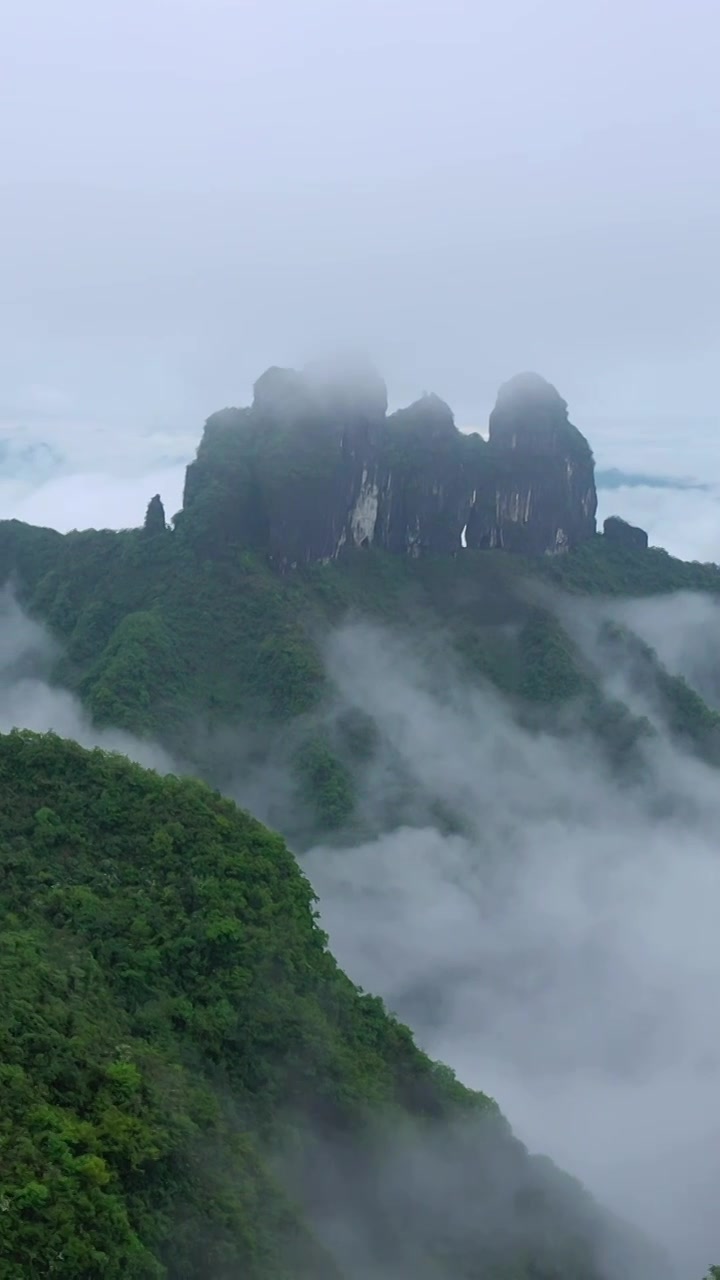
194,189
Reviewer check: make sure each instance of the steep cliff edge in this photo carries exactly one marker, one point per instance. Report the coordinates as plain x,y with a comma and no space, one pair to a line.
316,464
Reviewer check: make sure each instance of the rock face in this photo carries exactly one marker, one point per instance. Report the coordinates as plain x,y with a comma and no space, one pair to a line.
316,465
154,517
549,469
621,533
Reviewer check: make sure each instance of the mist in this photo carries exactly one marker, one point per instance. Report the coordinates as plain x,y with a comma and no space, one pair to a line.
684,630
196,190
686,523
555,943
555,940
560,949
30,700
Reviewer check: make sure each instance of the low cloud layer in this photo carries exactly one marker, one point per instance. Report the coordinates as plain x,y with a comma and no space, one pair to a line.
559,947
686,522
69,475
561,953
29,699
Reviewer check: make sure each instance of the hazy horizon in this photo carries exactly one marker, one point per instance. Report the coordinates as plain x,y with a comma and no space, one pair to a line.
68,475
195,190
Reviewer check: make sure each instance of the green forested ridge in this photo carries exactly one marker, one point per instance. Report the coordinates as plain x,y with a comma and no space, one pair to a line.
187,1077
188,1080
601,568
159,638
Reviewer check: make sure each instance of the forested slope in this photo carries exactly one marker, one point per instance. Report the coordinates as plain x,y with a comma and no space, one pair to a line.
162,639
190,1086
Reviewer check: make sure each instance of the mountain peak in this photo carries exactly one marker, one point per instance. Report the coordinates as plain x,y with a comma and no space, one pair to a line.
348,383
531,416
529,387
429,416
278,389
347,474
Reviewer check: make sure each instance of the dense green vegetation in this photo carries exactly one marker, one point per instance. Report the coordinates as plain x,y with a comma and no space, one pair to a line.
165,640
158,951
600,568
187,1077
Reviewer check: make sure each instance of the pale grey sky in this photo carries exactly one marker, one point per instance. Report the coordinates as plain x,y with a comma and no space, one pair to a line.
194,189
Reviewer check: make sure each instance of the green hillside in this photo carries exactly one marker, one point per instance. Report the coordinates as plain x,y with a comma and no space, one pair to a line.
191,1087
168,642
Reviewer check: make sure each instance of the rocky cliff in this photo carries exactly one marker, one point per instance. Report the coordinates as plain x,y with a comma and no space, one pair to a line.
626,535
316,465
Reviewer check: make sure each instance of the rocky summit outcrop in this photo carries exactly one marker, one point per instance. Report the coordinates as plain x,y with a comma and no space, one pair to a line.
316,465
622,534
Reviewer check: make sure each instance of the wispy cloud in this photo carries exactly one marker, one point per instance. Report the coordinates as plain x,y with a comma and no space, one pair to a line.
560,951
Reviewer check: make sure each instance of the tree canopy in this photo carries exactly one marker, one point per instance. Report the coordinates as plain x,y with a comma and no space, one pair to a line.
187,1075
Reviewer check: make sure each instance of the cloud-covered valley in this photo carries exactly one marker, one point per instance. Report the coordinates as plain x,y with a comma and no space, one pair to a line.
555,941
561,952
